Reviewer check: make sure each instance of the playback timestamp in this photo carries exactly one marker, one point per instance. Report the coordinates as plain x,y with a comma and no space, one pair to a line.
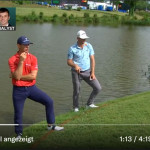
130,139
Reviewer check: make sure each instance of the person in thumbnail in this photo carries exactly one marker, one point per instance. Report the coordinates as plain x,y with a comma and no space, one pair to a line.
82,61
4,17
24,68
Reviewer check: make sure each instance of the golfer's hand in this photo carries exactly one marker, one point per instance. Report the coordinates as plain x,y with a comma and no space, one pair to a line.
92,76
23,56
77,68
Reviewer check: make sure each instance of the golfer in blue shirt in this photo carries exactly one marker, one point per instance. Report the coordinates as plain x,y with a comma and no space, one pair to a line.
81,59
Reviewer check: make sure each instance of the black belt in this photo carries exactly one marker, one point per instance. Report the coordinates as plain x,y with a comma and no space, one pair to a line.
84,71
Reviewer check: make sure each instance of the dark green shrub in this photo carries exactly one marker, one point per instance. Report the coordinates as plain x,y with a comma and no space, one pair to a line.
41,15
55,18
88,20
95,15
79,9
86,15
69,7
95,19
71,16
20,2
64,15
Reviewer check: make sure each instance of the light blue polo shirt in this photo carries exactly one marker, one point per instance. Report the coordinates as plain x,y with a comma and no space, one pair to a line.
80,56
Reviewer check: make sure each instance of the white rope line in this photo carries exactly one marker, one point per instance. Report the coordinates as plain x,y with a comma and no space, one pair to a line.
78,124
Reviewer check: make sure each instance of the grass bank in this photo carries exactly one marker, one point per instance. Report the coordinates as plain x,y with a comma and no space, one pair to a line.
82,17
56,15
122,123
38,14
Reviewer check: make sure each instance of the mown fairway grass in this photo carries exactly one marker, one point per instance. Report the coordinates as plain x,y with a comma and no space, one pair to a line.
96,128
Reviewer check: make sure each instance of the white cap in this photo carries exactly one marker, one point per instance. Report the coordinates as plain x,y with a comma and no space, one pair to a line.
82,34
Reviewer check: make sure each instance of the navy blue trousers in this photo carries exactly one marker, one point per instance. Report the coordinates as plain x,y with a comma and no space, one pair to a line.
20,94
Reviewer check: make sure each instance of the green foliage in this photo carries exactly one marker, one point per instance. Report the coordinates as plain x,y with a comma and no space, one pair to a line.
79,9
87,18
55,18
64,15
69,7
86,15
64,18
31,17
41,15
141,5
115,17
95,15
95,19
131,20
143,14
71,16
146,18
132,4
106,19
20,2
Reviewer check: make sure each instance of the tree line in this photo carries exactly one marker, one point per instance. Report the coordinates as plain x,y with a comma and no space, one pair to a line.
133,5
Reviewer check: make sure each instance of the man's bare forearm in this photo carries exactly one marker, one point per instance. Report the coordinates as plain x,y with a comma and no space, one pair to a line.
72,64
29,77
92,64
18,72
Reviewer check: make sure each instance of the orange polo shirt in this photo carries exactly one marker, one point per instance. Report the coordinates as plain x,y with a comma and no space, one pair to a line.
30,64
